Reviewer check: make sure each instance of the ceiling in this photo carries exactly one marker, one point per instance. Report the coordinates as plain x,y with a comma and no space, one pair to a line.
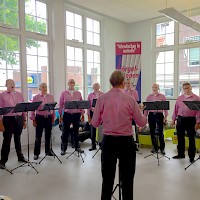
135,10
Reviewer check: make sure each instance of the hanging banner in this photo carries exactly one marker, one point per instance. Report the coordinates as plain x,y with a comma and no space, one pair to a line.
128,60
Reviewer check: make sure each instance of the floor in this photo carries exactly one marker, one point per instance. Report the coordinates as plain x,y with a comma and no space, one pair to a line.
75,180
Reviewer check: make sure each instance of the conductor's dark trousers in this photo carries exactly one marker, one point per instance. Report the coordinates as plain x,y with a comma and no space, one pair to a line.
123,149
13,125
69,119
186,124
155,120
43,123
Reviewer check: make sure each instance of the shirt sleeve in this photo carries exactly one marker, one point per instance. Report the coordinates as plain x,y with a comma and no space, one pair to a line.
96,119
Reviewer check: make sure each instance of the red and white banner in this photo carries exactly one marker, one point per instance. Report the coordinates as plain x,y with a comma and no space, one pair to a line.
128,60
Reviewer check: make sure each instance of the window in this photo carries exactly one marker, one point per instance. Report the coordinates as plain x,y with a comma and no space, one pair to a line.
165,34
74,27
186,72
9,61
93,69
75,66
93,32
36,16
37,65
9,13
165,72
83,51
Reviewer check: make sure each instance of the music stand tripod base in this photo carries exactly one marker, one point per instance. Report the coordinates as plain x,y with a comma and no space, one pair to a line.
79,154
29,163
193,162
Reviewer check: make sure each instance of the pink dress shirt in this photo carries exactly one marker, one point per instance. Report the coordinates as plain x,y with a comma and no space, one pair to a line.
157,97
132,93
92,96
48,98
116,110
66,96
182,110
8,99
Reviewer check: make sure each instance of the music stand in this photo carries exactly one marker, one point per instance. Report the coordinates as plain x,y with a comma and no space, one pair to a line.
77,105
25,107
4,111
156,105
192,105
119,184
49,107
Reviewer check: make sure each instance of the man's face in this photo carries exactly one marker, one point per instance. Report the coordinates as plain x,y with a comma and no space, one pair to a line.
96,87
71,84
155,88
187,89
10,84
43,88
128,84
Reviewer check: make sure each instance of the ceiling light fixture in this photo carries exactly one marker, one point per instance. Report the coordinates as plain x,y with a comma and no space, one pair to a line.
179,17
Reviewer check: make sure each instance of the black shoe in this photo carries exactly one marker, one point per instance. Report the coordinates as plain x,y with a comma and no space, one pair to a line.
22,159
35,157
154,150
162,152
93,148
178,157
62,153
2,165
191,160
50,154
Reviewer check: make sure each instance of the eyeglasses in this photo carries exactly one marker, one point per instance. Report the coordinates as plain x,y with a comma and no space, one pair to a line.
185,88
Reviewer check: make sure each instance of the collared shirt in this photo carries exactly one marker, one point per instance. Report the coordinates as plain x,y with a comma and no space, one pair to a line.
92,96
65,97
132,93
182,110
157,97
48,98
115,110
8,99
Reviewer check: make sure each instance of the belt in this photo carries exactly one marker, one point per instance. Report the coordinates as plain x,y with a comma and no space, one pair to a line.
44,116
15,116
155,113
186,116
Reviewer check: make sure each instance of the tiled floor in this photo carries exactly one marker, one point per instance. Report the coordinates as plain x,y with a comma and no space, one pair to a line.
75,180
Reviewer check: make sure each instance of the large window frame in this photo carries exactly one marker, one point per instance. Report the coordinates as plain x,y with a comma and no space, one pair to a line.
85,46
178,47
23,35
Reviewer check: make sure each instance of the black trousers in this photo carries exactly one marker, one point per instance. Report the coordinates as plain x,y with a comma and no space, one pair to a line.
13,125
156,119
43,123
122,148
186,124
93,132
69,119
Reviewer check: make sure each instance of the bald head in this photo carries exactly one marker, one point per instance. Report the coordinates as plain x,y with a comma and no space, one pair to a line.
43,88
155,88
10,84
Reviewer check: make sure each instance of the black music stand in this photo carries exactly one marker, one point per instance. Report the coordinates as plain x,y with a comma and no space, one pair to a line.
156,105
192,105
119,184
25,107
4,111
49,107
77,105
94,101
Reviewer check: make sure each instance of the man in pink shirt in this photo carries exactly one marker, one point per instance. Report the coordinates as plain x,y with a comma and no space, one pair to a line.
130,91
156,118
186,120
42,120
13,123
94,95
115,110
71,116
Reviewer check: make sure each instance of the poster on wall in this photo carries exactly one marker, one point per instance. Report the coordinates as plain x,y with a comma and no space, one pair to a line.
128,59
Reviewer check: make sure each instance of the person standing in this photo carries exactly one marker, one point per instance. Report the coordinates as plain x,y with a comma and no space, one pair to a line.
115,110
42,120
70,116
156,118
130,91
94,95
12,123
186,121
